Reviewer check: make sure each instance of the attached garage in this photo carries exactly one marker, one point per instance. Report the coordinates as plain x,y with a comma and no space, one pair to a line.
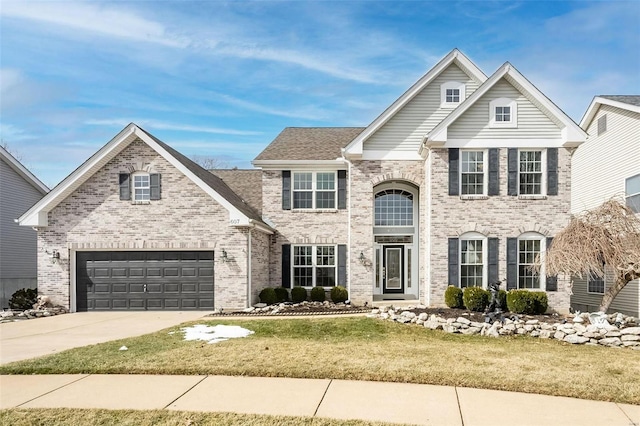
144,280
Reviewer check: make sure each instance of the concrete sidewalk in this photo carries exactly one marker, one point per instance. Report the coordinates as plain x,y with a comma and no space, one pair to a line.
339,399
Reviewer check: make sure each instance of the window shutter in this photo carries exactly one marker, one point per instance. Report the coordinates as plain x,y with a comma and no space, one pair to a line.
286,265
494,172
342,265
512,263
125,186
551,280
286,190
454,170
513,171
454,264
493,260
552,171
154,186
342,189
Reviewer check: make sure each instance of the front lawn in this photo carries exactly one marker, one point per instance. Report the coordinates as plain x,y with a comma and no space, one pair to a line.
361,348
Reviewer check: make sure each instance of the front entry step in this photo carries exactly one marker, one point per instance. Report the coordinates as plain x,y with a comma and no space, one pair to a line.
395,303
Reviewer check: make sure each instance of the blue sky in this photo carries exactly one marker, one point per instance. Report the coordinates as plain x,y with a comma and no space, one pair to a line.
222,79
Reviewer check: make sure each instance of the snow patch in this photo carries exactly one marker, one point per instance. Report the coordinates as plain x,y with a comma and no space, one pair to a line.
214,334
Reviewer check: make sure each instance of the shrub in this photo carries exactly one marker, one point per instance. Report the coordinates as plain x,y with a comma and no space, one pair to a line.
502,299
527,302
298,294
317,294
24,298
268,296
453,297
339,294
475,298
282,294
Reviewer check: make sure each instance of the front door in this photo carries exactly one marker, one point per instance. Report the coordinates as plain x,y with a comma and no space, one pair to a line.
392,269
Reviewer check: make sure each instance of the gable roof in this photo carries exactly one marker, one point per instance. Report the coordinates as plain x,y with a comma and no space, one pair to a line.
307,144
21,170
239,211
454,57
628,102
572,134
246,183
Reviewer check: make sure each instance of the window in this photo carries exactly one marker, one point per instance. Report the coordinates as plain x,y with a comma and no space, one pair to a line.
632,193
602,124
451,94
141,187
595,284
472,261
314,266
314,190
503,112
530,172
529,248
393,207
472,171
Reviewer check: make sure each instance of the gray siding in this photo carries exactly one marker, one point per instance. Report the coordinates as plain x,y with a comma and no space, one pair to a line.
405,130
17,243
627,301
532,123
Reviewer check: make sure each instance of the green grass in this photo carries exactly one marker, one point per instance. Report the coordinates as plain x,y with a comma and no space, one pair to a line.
360,348
65,416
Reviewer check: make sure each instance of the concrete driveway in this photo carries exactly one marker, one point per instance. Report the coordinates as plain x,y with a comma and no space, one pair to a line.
43,336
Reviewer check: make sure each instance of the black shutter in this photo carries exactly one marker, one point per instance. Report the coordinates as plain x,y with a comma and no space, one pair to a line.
286,190
494,171
493,260
154,185
125,186
512,263
513,171
551,280
286,265
342,189
454,167
454,264
342,265
552,171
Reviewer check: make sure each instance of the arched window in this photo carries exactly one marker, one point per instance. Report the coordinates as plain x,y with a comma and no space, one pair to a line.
530,246
393,207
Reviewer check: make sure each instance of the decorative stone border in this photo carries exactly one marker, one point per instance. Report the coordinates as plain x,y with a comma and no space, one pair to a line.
9,316
296,309
625,334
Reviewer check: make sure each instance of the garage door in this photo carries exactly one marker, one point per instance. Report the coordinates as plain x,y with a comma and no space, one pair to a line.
144,280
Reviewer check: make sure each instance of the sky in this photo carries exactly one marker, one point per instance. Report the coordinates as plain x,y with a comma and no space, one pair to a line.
222,79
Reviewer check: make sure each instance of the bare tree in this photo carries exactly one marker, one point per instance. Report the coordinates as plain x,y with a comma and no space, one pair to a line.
607,235
11,151
209,163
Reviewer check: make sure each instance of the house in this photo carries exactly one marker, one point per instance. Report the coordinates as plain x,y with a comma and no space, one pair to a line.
463,180
607,165
19,190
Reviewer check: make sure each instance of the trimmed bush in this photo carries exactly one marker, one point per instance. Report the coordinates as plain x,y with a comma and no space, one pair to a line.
453,297
317,294
527,302
298,294
475,298
268,296
339,294
502,298
282,294
23,299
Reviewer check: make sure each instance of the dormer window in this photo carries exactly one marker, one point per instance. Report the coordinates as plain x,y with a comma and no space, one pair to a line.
503,112
452,93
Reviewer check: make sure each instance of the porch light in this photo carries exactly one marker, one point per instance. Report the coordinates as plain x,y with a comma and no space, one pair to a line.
55,256
225,257
361,258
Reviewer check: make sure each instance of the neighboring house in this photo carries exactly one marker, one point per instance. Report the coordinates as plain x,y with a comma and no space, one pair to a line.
19,190
606,166
463,180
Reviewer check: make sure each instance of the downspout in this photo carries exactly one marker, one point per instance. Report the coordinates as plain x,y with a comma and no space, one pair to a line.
249,267
348,222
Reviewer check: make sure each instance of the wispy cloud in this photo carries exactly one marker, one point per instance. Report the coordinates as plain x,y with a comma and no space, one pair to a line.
306,113
163,125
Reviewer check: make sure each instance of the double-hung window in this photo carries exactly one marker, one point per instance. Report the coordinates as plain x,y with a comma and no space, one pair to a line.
595,284
530,172
314,190
472,255
141,187
472,173
529,248
314,266
632,193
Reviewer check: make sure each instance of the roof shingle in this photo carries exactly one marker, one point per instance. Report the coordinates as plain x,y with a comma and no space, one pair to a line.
627,99
309,143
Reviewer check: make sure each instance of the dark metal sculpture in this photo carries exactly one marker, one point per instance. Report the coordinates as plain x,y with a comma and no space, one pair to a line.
494,310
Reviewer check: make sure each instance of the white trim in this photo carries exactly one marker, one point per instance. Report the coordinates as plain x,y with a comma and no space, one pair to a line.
443,94
133,187
355,147
501,143
503,102
19,168
427,231
73,302
337,164
314,190
595,105
391,155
